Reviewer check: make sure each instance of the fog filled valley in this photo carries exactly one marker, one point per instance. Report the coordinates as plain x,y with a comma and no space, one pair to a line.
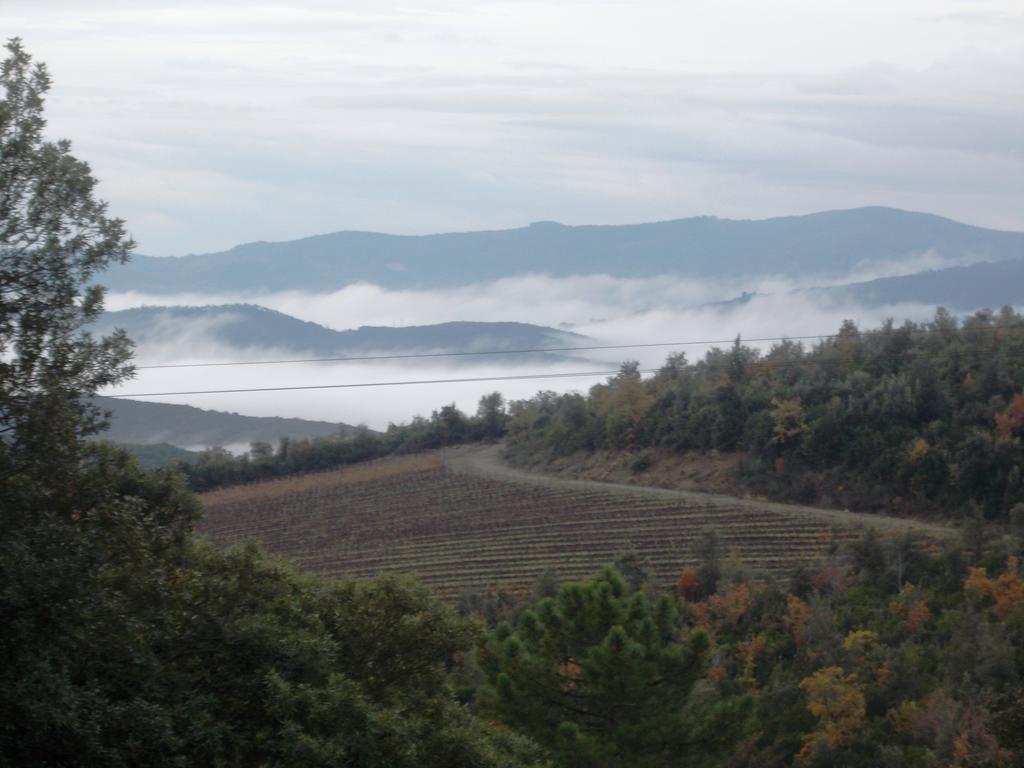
325,456
688,308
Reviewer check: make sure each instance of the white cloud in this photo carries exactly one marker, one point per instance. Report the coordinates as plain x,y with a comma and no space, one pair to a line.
608,310
218,122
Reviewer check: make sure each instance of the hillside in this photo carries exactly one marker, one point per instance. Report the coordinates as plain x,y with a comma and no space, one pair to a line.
988,284
921,418
158,454
477,523
828,242
247,326
142,423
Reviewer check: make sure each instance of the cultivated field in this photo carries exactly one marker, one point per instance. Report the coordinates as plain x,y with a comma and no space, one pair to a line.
461,520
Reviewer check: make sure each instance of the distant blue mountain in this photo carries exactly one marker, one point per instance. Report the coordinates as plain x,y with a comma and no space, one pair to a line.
250,326
833,241
989,284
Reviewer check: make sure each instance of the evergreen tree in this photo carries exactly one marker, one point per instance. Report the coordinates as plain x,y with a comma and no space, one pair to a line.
596,675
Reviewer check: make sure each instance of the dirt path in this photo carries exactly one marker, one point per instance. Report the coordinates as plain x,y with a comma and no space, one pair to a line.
487,462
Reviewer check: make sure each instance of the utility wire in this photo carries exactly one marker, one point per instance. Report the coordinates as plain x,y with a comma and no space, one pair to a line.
473,353
750,365
567,375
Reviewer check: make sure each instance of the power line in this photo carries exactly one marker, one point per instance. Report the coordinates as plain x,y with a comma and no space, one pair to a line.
751,365
412,355
540,350
565,375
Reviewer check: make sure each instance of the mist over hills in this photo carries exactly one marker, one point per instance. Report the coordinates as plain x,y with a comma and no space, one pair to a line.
989,284
137,422
827,242
250,326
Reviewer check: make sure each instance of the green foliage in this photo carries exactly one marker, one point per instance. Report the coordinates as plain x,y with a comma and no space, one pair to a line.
919,418
127,641
598,675
54,237
122,648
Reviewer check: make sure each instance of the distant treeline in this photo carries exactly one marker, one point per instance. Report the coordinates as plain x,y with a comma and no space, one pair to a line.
217,467
918,418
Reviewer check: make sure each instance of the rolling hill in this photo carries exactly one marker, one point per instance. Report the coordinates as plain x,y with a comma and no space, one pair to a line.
462,520
989,284
828,242
136,422
249,326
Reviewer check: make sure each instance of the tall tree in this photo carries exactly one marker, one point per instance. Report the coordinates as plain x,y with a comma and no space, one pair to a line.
54,237
598,676
123,640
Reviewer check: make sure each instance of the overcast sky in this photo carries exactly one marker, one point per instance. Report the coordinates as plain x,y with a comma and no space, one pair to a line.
216,122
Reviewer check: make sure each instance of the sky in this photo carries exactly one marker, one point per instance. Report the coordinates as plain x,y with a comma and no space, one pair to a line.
211,123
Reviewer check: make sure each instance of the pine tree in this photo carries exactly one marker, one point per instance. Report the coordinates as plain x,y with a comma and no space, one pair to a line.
598,676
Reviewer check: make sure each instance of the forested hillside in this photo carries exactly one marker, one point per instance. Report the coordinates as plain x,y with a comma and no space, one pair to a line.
923,418
881,655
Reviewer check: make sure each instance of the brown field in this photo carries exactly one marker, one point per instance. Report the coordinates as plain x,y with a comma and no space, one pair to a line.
460,521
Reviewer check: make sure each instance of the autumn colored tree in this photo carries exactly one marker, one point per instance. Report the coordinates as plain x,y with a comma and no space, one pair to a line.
1010,423
688,586
837,700
1004,592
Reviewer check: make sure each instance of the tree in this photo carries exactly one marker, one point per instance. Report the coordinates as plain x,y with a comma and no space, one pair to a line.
125,640
491,416
597,675
54,237
837,701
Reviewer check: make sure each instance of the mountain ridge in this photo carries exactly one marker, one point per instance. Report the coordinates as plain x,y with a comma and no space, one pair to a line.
827,241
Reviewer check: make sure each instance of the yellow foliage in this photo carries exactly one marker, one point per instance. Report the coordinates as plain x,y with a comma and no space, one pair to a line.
789,421
859,640
748,653
837,701
918,450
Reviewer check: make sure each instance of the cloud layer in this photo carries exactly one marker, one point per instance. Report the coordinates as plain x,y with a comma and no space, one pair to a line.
611,311
218,122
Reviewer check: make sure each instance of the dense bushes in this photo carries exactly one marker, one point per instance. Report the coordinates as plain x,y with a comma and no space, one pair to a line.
917,418
129,642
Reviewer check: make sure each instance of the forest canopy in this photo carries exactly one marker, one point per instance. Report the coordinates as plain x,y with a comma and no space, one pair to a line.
923,418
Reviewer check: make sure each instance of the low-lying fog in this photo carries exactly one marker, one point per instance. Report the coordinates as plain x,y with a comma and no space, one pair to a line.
606,309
